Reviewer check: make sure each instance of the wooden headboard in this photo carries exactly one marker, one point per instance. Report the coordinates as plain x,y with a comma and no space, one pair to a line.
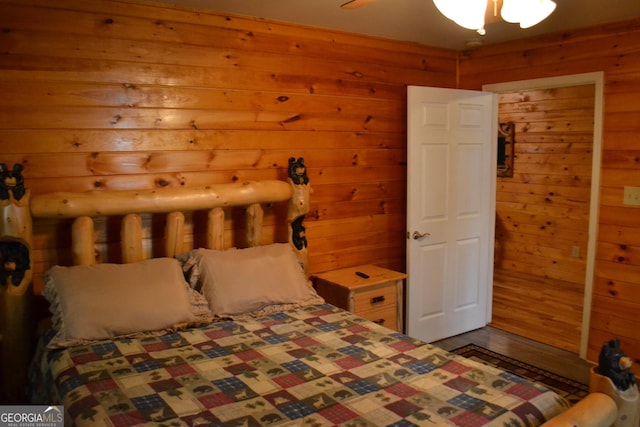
19,209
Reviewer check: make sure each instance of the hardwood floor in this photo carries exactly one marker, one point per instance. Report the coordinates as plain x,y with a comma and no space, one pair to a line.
544,356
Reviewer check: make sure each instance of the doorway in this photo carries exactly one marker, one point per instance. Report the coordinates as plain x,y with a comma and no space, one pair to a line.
550,84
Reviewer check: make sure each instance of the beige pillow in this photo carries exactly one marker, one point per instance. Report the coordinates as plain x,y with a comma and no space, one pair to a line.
103,301
250,281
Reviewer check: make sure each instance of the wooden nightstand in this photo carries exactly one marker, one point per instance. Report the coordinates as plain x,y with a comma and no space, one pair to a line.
377,298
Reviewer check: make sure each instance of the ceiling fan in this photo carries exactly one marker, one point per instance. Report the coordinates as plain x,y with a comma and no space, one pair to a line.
354,4
524,12
492,14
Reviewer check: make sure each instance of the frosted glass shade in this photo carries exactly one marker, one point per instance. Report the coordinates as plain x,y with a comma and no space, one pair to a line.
470,13
526,12
466,13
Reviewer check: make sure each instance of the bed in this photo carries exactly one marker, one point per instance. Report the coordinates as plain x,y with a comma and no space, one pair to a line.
231,336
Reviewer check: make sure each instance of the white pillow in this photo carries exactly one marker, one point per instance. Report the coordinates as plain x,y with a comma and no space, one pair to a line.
250,281
103,301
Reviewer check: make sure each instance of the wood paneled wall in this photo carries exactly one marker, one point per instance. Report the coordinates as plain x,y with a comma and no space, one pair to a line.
542,211
614,49
126,94
542,214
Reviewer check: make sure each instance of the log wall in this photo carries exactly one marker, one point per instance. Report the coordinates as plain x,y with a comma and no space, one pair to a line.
614,49
127,94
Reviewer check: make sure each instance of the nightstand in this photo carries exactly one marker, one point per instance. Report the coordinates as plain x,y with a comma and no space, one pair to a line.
377,298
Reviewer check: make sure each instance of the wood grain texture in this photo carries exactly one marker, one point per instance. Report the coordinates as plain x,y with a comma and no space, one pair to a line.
541,219
614,49
83,241
121,94
174,234
542,214
542,309
131,238
129,95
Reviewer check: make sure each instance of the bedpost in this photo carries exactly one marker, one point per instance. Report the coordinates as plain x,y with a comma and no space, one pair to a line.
614,378
298,208
16,236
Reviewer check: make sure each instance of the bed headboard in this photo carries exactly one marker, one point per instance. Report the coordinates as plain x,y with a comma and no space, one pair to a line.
19,209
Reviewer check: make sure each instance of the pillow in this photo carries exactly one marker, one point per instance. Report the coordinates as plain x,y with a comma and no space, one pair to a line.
104,301
251,281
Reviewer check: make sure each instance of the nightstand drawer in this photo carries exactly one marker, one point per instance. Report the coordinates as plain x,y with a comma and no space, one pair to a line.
387,316
384,296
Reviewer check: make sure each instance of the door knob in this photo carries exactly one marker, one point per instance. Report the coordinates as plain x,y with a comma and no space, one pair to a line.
417,235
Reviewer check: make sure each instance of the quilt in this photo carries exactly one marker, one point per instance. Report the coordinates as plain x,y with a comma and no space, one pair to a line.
318,366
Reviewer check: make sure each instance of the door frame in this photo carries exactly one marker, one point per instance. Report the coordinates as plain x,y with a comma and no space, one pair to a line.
597,79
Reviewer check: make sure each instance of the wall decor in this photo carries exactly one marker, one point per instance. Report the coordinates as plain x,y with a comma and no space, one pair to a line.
506,140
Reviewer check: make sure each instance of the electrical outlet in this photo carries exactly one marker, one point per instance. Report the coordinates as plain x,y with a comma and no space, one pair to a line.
631,196
575,251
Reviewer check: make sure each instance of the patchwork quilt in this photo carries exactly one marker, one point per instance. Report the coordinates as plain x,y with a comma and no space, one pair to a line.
316,366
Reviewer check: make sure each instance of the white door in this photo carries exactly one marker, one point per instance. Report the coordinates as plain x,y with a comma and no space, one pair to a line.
450,210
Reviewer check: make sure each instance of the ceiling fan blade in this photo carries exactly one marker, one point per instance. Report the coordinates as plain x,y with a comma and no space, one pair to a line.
354,4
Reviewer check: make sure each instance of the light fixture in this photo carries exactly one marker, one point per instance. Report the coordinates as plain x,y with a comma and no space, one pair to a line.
466,13
471,13
526,12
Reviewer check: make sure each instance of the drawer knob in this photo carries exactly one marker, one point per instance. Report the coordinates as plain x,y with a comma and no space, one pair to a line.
379,321
377,300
